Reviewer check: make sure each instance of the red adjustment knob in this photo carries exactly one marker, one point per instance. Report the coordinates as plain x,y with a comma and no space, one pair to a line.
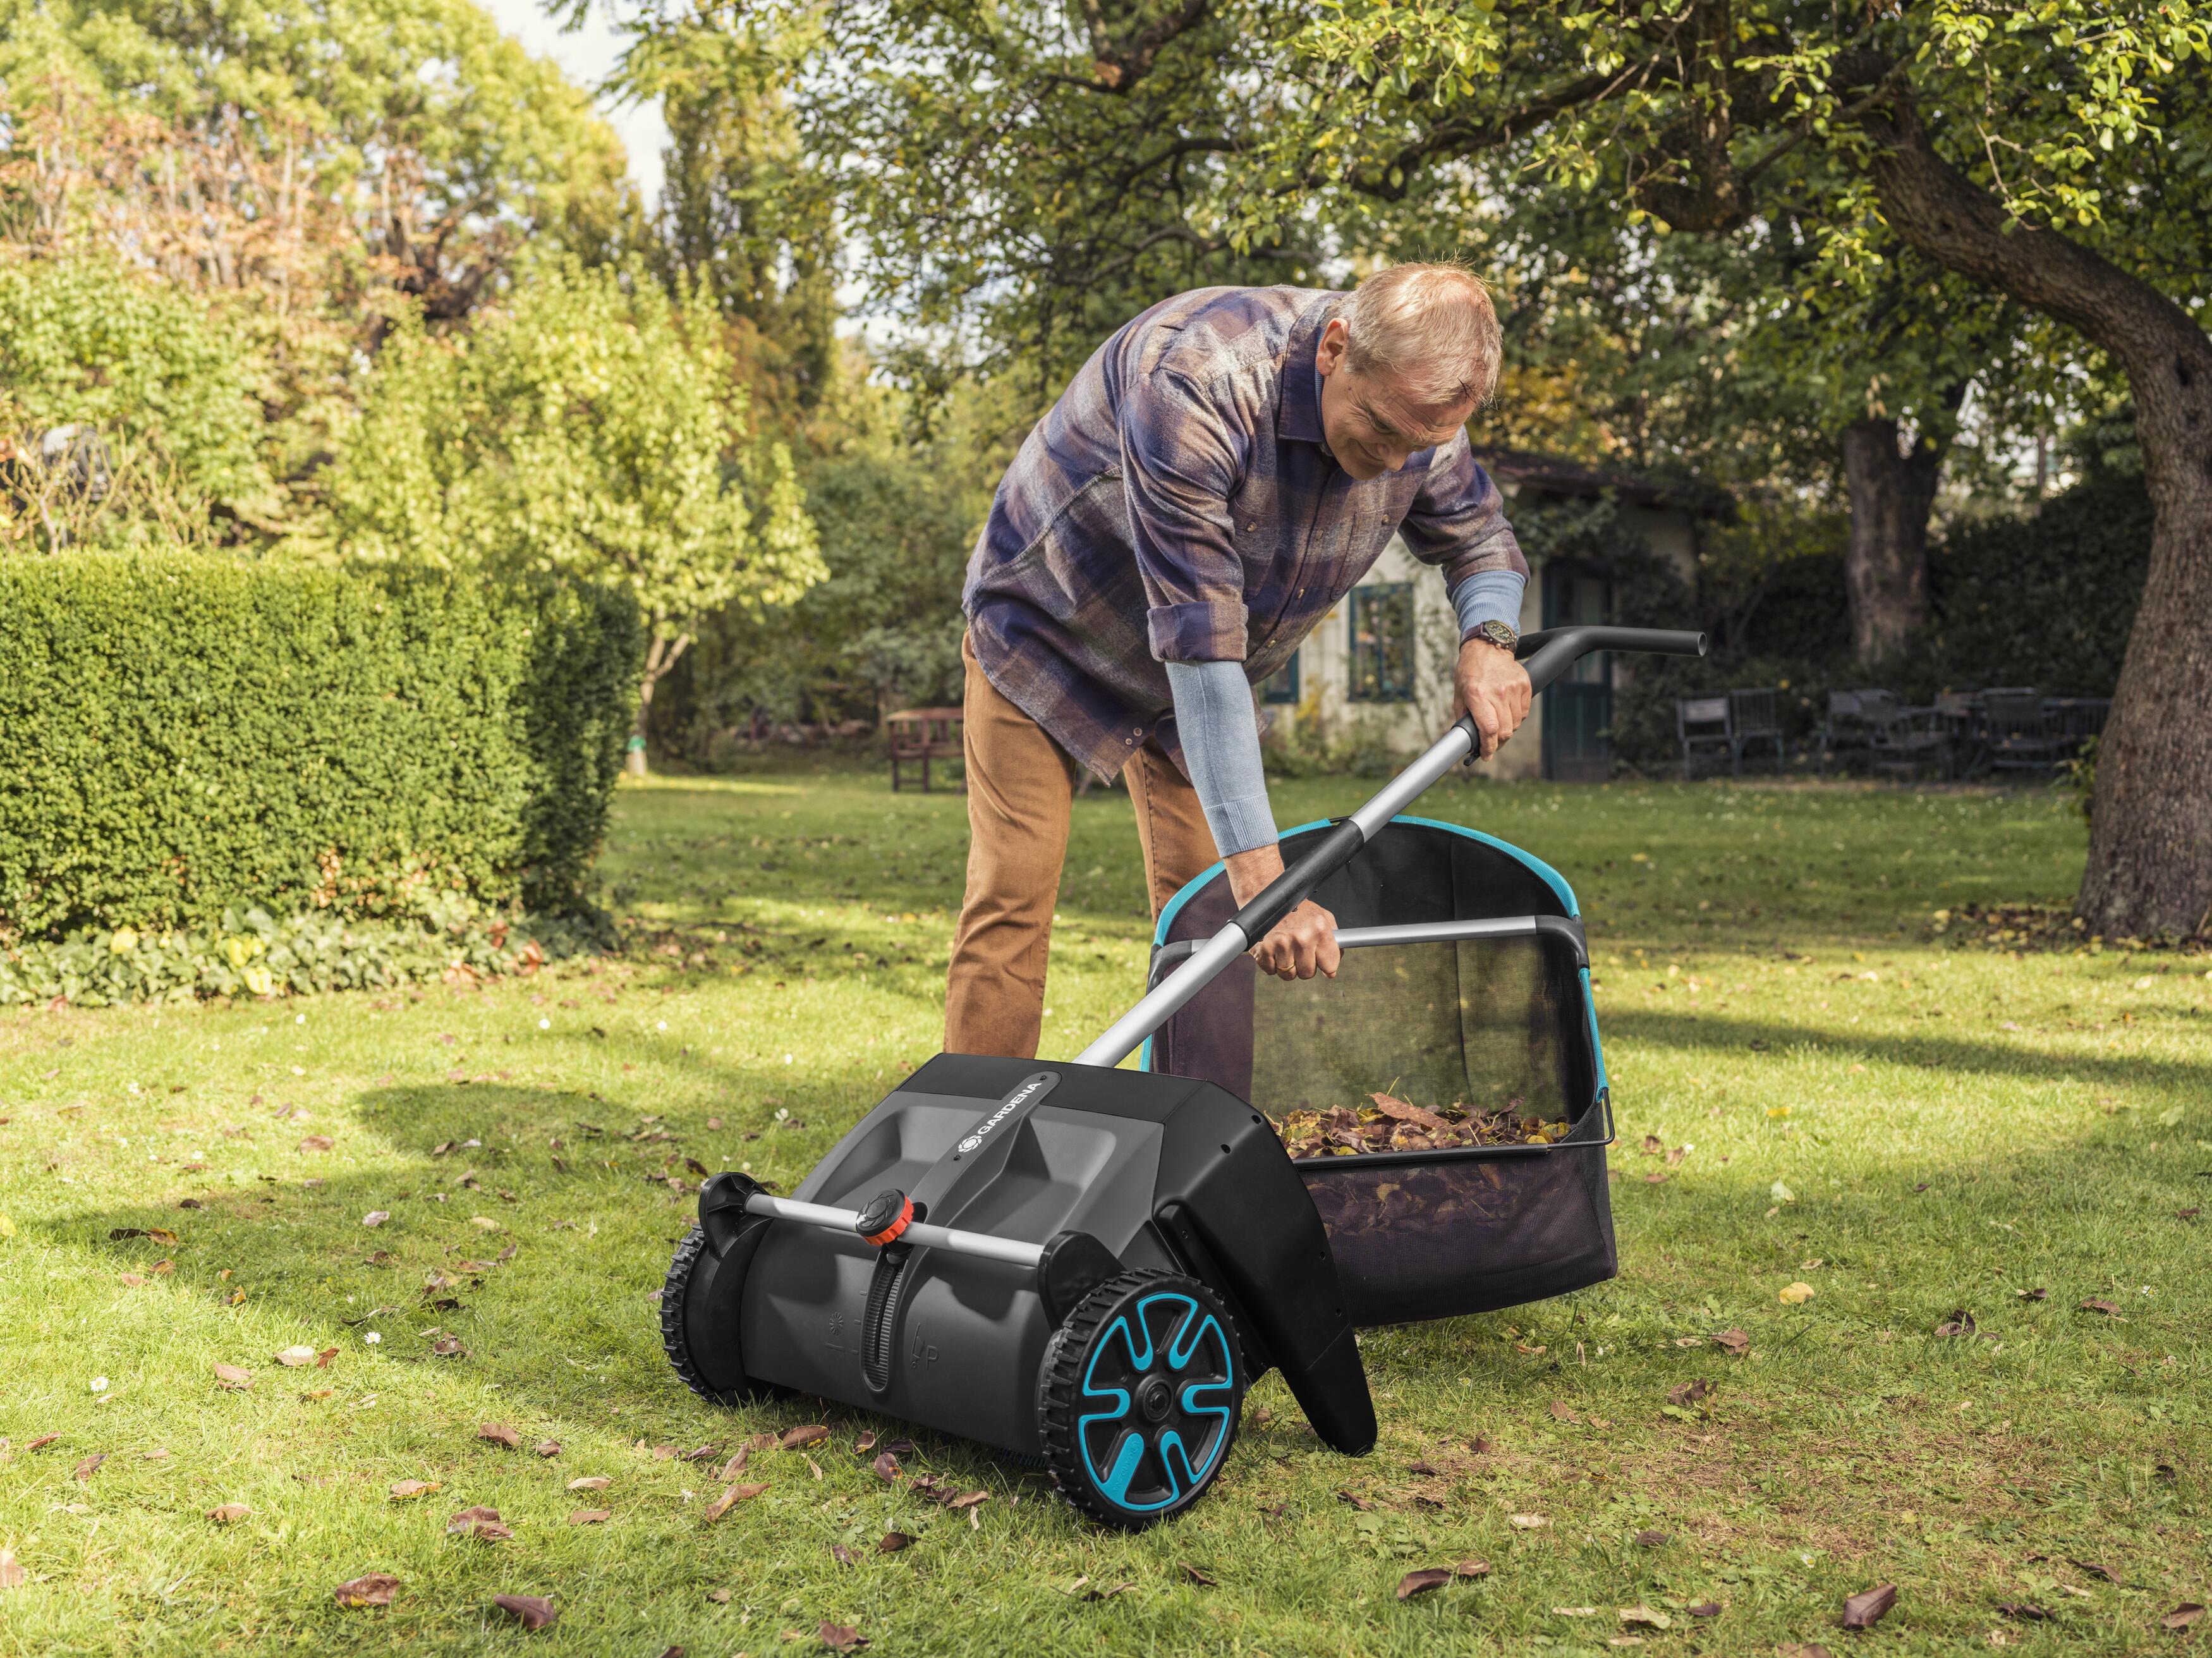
886,1215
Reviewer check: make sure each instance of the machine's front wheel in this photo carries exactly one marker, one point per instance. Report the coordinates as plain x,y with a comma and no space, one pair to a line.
1139,1397
678,1308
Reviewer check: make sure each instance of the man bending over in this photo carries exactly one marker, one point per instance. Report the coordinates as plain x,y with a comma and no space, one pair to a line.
1214,481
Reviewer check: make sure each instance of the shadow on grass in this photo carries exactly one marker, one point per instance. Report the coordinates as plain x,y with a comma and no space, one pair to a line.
1710,1033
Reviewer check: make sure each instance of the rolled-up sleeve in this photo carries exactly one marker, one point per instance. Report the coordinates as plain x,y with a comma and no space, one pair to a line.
1458,521
1181,466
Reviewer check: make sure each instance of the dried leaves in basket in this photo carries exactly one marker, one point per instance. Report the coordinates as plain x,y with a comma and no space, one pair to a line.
1392,1124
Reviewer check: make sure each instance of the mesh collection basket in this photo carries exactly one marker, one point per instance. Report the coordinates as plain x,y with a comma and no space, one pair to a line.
1465,980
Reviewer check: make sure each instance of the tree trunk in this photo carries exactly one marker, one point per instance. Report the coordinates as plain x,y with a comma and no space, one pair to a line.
659,657
1885,565
2150,842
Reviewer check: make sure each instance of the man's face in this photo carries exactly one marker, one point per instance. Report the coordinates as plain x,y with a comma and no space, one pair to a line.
1371,423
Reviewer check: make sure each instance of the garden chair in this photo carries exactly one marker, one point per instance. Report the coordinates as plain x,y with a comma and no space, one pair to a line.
918,735
1703,725
1754,716
1844,731
2016,730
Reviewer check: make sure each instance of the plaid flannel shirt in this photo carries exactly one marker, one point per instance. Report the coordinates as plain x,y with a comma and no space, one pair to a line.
1177,504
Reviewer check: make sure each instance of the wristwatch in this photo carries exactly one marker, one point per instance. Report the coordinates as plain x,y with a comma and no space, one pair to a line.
1496,633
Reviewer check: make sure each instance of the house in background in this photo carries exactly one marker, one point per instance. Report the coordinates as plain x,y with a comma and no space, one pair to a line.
1380,663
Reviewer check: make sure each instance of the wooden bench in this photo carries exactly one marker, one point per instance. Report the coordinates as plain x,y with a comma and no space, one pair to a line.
919,736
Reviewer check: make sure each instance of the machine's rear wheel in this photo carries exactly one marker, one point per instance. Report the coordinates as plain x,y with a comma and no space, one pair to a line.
675,1294
1138,1396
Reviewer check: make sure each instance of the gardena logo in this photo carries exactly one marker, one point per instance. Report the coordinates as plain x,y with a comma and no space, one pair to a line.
1028,1092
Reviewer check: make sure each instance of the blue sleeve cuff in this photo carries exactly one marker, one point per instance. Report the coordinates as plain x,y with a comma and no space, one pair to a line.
1220,737
1489,596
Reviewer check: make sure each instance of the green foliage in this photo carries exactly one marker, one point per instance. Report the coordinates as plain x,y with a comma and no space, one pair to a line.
187,735
2048,599
590,428
253,955
159,391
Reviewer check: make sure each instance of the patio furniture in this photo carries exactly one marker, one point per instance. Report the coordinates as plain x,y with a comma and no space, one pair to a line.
1702,725
2016,731
1754,717
1901,738
1844,731
919,736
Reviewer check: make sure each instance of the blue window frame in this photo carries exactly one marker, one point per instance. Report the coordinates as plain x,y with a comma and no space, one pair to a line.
1282,685
1382,669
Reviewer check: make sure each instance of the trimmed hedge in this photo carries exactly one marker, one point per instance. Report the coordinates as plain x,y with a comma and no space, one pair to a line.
181,736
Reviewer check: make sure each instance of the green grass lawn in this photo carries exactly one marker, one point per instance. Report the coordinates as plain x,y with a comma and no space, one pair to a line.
1910,1124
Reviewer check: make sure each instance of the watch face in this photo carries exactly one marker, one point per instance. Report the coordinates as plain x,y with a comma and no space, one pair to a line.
1498,634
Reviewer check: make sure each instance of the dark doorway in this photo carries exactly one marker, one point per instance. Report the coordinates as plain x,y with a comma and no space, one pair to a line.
1578,708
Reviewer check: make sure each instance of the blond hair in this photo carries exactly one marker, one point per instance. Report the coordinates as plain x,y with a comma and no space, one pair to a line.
1429,326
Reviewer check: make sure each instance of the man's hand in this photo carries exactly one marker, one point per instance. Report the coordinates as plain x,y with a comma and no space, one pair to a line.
1493,688
1304,942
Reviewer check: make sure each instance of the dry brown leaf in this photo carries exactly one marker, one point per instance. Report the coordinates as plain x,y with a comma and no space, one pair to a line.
1560,1412
41,1442
792,1438
403,1489
590,1482
293,1358
2093,1569
1735,1341
1421,1581
590,1516
1868,1608
1527,1522
1704,1609
531,1611
1199,1575
969,1499
374,1589
1689,1393
1640,1613
864,1443
736,1465
12,1575
449,1347
719,1597
1357,1500
131,1280
234,1377
89,1467
886,1466
1472,1568
1653,1145
547,1448
478,1522
842,1638
2038,1294
316,1143
841,1555
892,1542
1653,1539
223,1513
376,1218
2093,1305
323,1359
2182,1615
500,1434
2027,1610
730,1499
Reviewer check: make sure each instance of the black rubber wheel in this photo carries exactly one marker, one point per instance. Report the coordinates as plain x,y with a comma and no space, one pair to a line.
673,1295
1139,1398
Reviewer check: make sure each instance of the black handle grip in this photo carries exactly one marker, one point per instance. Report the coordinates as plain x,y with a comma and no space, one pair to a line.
1548,654
1332,851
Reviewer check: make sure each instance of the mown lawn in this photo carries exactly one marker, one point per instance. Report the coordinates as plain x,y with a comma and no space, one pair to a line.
1912,1124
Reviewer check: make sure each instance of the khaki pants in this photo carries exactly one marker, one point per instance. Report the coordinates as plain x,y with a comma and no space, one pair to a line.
1020,784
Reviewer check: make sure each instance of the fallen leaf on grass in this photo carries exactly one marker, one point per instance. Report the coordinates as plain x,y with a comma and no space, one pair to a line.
500,1434
2108,1309
886,1466
864,1443
1103,1591
1206,1580
12,1575
736,1465
1357,1500
1640,1613
159,1233
374,1589
234,1377
719,1597
376,1218
967,1500
547,1448
841,1555
1960,1323
590,1482
1560,1412
792,1438
2182,1615
478,1522
2033,1295
1802,1649
90,1466
1653,1539
294,1358
41,1442
590,1516
1704,1609
2093,1569
159,1454
2027,1610
1472,1568
1796,1295
403,1489
730,1499
316,1143
223,1513
1527,1522
531,1611
1420,1583
448,1347
1867,1608
1689,1393
131,1280
842,1638
892,1542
